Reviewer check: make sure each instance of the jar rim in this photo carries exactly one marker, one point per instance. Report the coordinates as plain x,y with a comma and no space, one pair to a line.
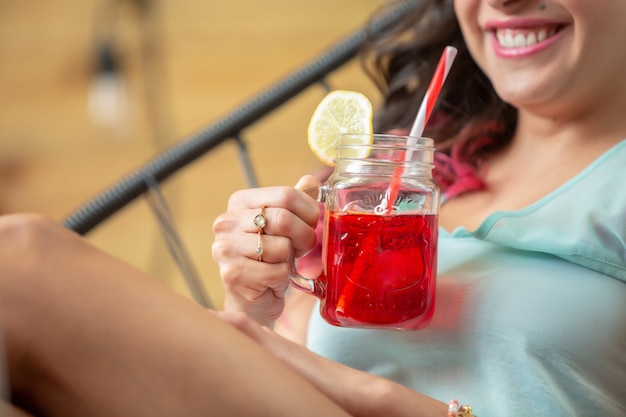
390,140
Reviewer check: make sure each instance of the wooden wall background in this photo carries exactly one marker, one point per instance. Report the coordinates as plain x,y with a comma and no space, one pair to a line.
205,58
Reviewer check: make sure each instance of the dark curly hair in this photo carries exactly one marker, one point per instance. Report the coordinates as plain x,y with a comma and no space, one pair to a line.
401,61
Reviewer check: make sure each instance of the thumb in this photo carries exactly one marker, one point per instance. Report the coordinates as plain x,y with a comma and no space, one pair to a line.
308,181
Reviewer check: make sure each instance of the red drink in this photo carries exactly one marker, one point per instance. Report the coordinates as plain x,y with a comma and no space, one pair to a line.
379,270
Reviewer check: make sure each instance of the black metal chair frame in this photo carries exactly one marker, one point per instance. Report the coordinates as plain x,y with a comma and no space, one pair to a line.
146,178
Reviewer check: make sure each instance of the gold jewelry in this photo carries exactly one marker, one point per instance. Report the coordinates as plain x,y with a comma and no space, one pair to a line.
456,410
465,411
259,246
259,220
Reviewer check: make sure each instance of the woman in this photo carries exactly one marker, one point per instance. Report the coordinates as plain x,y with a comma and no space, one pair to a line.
530,316
531,294
85,334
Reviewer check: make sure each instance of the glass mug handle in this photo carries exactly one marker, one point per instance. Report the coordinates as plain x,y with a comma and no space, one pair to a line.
310,285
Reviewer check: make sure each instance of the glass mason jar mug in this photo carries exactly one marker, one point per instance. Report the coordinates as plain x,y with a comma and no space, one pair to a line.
379,248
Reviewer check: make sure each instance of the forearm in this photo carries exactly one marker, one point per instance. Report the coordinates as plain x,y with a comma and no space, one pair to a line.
359,393
363,394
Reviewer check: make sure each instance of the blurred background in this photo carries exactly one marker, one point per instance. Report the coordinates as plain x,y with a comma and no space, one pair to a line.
92,89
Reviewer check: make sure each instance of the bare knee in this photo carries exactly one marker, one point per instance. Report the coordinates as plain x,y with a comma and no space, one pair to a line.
27,242
23,237
24,224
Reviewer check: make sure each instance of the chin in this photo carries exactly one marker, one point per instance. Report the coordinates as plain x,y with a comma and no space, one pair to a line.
523,96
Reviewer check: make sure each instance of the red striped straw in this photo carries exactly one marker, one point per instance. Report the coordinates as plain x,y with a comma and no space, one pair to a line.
423,114
428,103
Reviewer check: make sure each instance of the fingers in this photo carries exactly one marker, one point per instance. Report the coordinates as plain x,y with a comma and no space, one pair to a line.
307,181
287,198
242,271
283,232
289,213
257,288
254,261
252,286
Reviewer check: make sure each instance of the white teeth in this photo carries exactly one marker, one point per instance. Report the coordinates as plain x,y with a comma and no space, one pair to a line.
542,35
508,39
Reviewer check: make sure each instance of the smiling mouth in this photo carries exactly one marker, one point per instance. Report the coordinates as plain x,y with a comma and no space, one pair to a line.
522,38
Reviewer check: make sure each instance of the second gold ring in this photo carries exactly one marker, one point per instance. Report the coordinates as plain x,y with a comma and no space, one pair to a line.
259,247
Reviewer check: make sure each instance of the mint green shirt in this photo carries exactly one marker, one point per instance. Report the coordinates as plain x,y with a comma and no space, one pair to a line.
530,316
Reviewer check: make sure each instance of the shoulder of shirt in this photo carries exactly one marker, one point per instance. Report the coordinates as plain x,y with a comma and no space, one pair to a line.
584,221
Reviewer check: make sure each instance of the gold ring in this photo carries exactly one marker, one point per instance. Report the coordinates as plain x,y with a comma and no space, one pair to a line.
259,220
259,246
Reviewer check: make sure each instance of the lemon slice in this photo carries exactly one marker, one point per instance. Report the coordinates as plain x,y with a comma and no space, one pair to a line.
338,113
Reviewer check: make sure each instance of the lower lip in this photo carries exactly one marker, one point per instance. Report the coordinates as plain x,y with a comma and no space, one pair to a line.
523,51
